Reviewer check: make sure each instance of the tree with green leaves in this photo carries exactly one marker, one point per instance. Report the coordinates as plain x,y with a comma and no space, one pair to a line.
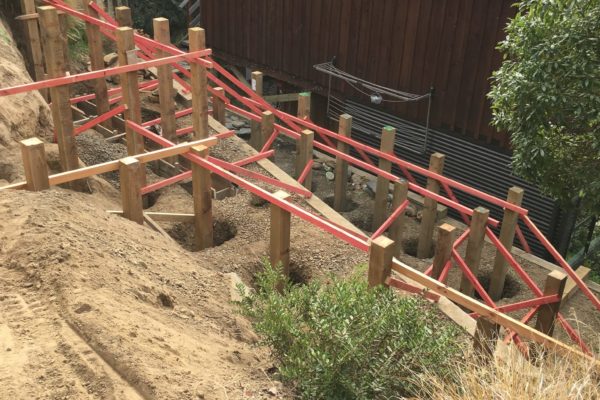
546,95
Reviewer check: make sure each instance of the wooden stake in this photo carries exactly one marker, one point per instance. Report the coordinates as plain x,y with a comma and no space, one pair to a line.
304,105
218,105
257,82
123,16
341,165
436,164
255,126
388,136
34,43
305,153
202,192
162,34
381,254
486,338
474,247
279,251
130,170
507,236
397,227
443,249
35,165
131,93
61,105
96,51
267,126
197,39
546,316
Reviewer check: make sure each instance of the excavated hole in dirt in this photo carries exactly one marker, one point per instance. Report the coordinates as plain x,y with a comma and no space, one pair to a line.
184,233
512,286
166,301
363,221
411,245
350,205
150,199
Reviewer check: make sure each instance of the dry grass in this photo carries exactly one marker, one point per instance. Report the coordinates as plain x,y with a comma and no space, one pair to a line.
511,377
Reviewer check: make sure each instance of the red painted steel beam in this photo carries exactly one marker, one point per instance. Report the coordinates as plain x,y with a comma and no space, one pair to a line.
538,301
472,278
305,171
407,287
166,182
98,120
178,114
257,157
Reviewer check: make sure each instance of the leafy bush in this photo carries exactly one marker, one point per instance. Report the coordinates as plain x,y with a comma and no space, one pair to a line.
340,340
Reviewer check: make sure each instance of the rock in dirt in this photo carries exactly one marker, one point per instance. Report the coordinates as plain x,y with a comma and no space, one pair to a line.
110,59
236,287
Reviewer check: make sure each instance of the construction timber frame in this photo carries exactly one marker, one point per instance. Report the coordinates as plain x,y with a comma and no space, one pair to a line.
208,83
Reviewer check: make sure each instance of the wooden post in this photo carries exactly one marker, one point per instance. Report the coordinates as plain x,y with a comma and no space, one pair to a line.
436,164
486,338
381,254
443,249
388,136
255,126
397,227
279,253
131,92
546,316
61,104
197,38
267,126
34,43
202,192
63,22
96,51
35,165
130,170
474,247
304,105
341,166
123,16
257,82
304,155
218,105
507,236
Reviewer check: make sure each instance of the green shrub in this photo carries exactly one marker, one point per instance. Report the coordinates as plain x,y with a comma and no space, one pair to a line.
340,340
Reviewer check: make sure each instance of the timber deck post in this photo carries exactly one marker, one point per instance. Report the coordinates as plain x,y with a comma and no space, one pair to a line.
443,249
474,247
197,37
507,236
255,126
388,136
35,164
397,228
34,43
130,170
123,16
304,105
429,216
341,165
304,156
381,256
279,248
546,316
267,126
218,105
202,193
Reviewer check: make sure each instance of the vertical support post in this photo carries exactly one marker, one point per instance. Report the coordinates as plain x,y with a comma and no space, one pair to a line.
96,50
130,170
304,105
131,93
341,165
279,253
486,338
305,153
35,165
507,237
436,164
546,316
397,227
201,187
474,247
63,22
267,126
257,82
197,38
255,126
388,136
123,16
218,105
61,105
443,249
162,34
381,254
34,43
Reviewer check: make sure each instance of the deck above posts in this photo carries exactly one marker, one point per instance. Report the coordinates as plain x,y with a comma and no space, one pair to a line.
305,154
546,316
130,170
507,236
304,105
443,249
436,164
218,105
397,228
381,254
202,193
388,137
279,249
35,164
341,165
474,247
197,38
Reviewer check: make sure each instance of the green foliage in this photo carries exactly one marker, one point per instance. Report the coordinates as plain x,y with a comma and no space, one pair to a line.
547,96
340,340
78,46
144,11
